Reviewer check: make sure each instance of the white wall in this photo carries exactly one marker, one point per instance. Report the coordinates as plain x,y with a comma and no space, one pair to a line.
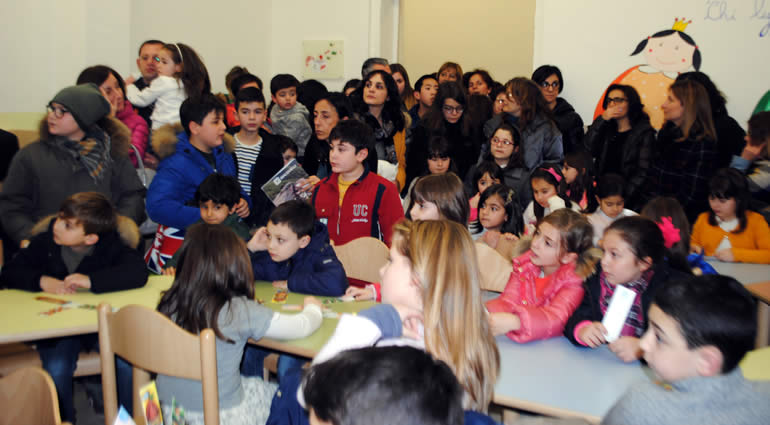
591,41
46,43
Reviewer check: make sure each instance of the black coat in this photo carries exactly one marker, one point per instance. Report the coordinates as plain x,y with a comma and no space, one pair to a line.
269,162
589,308
462,150
636,154
112,266
570,124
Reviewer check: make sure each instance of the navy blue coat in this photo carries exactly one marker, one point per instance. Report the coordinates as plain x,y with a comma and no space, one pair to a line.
313,270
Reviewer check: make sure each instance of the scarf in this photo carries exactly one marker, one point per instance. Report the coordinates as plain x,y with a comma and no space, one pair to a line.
91,152
634,325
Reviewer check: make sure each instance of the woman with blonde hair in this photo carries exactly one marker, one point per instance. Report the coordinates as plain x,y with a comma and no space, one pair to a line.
685,149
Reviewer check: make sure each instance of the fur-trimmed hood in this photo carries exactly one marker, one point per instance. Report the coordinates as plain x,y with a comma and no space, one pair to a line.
120,135
127,229
164,140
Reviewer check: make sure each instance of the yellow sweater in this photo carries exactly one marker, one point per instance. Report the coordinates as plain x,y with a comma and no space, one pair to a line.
750,246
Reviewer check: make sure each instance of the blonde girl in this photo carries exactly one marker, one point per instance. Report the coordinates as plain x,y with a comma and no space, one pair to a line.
431,299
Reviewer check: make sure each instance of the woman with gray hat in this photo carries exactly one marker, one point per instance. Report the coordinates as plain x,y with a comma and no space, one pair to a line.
80,149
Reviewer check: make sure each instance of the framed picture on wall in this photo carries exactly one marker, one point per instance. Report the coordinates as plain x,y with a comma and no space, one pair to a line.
323,59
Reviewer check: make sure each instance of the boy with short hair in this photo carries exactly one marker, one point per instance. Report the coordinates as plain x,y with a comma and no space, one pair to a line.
354,202
755,158
425,90
186,159
293,252
289,118
217,197
287,147
383,385
257,155
86,246
700,329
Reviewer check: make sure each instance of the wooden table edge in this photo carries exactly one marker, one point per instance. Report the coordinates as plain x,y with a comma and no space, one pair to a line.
533,407
760,290
48,333
284,346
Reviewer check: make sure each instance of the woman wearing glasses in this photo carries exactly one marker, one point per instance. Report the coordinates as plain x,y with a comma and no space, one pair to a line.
551,83
621,139
447,118
80,149
525,108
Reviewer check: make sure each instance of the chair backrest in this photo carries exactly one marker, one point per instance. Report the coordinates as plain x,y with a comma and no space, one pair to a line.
362,258
151,342
28,396
494,268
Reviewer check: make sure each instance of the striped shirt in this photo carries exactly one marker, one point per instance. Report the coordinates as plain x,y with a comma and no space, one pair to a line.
247,156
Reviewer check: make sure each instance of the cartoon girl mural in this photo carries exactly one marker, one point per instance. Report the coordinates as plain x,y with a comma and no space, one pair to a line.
668,53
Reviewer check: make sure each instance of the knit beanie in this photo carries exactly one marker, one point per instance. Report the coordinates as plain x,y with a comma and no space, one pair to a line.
85,102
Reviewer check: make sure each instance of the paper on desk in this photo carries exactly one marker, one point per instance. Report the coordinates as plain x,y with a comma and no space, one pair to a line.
617,312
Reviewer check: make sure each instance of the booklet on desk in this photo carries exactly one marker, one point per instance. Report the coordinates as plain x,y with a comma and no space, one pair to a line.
282,186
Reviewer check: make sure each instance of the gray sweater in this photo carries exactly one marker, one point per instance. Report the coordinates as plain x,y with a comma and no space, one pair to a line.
239,320
723,399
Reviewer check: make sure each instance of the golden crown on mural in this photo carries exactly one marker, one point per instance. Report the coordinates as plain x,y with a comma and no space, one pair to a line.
680,25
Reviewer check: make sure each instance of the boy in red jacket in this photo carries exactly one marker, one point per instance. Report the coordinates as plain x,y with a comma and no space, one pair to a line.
354,202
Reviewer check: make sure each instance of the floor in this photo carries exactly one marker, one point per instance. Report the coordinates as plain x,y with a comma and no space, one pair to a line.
85,413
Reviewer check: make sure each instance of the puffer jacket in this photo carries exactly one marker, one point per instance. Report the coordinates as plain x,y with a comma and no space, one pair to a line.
44,174
544,317
313,270
138,127
180,172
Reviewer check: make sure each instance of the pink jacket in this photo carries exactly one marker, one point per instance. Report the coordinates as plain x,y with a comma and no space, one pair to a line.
544,317
138,127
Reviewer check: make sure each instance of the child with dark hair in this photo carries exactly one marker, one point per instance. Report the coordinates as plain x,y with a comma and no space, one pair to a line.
499,211
353,200
181,74
217,197
669,214
578,180
396,388
608,204
482,175
293,252
85,246
350,86
290,118
755,158
634,258
731,232
546,197
287,148
439,162
425,89
187,158
700,329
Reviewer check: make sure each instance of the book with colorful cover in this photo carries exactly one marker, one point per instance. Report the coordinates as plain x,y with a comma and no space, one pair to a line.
282,186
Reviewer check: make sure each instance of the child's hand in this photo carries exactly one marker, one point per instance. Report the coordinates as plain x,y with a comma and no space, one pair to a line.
752,152
502,323
259,241
725,255
52,285
411,319
360,294
696,249
311,301
281,284
169,271
626,348
491,238
474,201
242,208
78,280
306,185
593,334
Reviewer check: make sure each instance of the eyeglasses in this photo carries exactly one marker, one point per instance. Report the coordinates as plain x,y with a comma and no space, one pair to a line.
496,141
554,85
57,111
456,109
616,100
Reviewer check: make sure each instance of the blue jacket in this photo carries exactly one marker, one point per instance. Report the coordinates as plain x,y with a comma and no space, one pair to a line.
181,170
313,270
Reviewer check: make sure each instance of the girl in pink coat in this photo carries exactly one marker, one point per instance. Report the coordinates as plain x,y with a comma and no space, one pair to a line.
546,284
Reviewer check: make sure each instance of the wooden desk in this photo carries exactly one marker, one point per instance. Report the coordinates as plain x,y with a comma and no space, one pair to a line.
305,347
555,378
20,318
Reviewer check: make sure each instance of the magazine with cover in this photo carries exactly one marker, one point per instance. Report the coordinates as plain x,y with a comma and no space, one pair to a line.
281,187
